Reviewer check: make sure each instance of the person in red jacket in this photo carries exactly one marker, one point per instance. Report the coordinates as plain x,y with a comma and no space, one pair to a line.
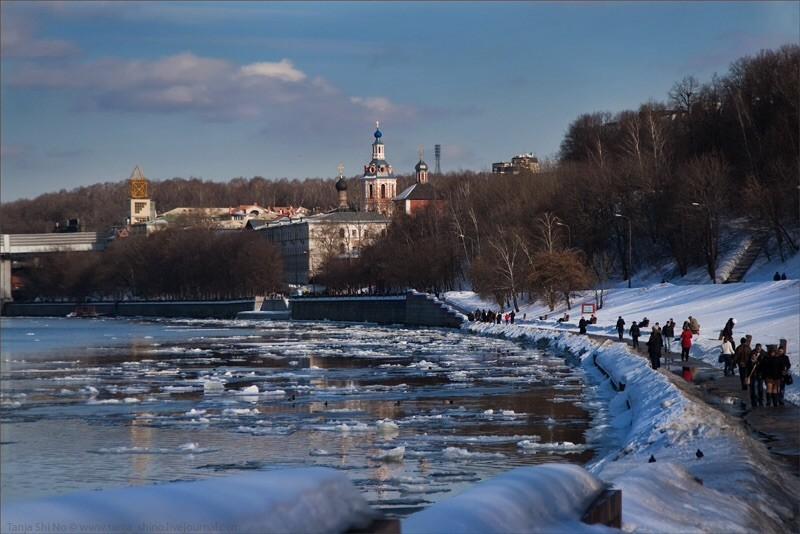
686,343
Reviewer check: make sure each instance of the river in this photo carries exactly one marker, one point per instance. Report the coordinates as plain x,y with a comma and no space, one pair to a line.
410,415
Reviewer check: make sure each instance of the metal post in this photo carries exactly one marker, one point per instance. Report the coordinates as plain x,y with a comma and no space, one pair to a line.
630,253
630,247
569,233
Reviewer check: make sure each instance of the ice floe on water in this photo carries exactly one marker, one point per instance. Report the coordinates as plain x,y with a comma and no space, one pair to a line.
387,426
391,455
457,453
186,448
564,446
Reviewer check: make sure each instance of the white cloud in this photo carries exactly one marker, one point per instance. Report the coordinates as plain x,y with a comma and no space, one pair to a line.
288,104
17,40
282,70
376,104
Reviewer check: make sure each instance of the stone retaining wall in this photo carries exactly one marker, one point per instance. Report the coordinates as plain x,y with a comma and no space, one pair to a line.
225,309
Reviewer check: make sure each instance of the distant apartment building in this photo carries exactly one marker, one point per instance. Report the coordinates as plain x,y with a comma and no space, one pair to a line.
519,163
230,218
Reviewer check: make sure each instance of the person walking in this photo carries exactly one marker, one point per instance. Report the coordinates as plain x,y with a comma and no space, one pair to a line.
727,356
513,314
635,335
686,342
694,325
727,331
755,377
654,344
668,332
620,327
582,325
773,375
740,357
786,378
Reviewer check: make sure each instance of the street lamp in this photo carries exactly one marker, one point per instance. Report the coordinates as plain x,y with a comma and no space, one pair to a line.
569,232
710,252
629,245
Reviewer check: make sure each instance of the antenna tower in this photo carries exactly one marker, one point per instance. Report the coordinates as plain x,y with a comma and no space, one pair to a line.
437,151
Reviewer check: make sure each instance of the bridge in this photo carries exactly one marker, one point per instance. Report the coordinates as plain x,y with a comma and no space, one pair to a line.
18,246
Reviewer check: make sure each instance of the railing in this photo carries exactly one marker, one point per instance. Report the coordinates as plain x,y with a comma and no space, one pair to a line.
34,243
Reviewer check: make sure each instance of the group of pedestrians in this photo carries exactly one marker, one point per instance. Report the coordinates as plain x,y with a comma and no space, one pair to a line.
489,316
764,372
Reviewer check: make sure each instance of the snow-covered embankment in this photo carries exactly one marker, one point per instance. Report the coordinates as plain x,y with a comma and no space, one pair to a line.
735,486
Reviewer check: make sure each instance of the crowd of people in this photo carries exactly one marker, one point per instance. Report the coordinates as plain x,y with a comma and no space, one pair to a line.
489,316
763,371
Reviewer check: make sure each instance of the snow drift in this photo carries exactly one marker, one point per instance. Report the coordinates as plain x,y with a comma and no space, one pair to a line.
549,497
312,499
734,487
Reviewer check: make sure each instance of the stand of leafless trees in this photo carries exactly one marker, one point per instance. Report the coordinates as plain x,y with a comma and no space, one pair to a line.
169,265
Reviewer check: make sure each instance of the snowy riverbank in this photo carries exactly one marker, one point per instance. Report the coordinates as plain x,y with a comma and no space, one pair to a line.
769,311
735,487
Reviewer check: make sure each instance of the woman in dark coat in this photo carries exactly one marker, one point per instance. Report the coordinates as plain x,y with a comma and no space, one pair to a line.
654,348
772,369
786,364
755,376
582,325
620,327
635,335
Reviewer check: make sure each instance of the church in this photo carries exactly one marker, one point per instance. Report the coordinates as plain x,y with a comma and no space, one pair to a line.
380,185
419,195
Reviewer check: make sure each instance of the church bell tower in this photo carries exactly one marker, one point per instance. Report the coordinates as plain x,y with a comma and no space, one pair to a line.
380,185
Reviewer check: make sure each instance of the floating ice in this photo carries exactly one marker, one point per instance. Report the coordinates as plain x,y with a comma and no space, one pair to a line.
387,426
213,386
458,453
239,411
392,455
356,427
186,448
567,446
249,390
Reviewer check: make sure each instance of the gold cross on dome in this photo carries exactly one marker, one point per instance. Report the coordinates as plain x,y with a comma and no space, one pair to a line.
377,124
421,152
340,168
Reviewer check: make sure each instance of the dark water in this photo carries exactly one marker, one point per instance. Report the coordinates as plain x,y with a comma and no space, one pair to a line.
411,415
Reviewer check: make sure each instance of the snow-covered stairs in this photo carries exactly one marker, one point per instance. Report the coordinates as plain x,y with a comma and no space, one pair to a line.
427,309
748,258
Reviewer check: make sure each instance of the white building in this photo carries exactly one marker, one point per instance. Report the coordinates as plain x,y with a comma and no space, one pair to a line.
307,242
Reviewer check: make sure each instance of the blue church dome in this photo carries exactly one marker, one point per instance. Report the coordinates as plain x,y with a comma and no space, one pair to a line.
378,134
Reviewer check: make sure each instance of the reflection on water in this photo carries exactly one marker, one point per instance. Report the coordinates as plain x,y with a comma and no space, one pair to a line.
411,415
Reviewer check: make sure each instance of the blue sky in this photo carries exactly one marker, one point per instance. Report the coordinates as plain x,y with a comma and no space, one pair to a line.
220,90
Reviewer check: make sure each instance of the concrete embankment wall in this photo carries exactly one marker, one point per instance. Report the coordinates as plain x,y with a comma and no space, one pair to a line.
225,309
412,309
381,310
